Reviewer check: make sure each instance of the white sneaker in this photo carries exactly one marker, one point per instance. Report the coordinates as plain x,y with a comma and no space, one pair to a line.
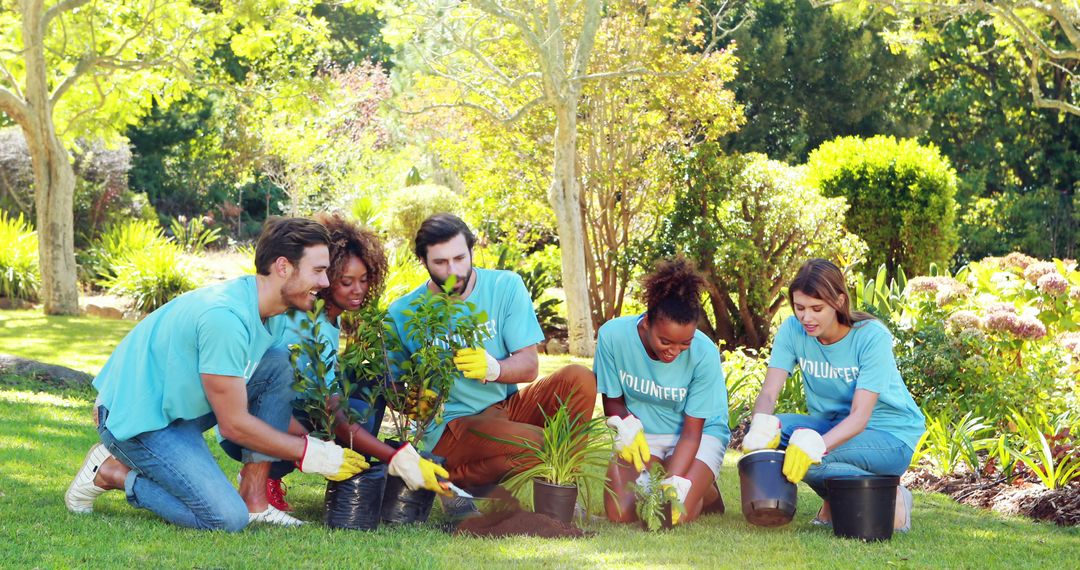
274,516
82,491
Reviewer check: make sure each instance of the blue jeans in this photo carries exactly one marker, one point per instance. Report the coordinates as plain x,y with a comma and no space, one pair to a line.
871,452
370,414
173,473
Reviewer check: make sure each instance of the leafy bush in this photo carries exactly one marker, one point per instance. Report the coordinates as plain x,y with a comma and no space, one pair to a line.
948,443
1053,460
411,205
152,276
193,235
744,373
117,242
19,274
749,223
537,281
902,197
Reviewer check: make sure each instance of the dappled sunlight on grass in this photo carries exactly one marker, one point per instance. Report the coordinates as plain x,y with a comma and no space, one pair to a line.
81,343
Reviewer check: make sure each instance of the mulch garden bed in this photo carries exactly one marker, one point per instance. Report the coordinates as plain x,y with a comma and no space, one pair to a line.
1060,506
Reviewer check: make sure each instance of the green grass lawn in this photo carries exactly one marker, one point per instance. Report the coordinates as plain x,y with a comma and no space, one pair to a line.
82,343
45,431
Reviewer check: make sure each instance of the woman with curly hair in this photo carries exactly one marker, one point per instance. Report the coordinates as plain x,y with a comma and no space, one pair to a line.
664,393
357,273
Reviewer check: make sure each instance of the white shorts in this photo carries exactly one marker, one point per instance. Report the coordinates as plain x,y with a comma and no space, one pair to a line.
710,452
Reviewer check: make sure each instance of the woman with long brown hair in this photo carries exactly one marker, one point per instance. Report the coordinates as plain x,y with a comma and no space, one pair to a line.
862,419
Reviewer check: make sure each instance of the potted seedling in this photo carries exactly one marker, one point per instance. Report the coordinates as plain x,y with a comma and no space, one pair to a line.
354,503
657,505
415,390
572,457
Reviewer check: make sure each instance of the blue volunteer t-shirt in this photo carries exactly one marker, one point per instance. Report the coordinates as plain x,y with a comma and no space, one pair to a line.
660,393
831,374
288,329
511,326
153,376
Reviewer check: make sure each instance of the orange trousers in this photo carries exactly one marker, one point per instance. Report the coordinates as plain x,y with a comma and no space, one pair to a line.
475,461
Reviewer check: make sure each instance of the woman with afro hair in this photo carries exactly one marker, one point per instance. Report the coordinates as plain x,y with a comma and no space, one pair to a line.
664,394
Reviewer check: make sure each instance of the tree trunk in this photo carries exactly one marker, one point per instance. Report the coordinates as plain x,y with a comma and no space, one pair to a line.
54,177
565,198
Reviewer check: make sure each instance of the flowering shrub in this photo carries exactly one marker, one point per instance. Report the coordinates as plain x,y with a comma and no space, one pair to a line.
1000,334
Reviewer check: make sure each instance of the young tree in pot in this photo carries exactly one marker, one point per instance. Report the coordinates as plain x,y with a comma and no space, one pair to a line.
441,324
356,502
657,505
572,457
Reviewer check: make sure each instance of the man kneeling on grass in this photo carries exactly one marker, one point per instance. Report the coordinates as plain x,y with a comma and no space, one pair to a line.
192,364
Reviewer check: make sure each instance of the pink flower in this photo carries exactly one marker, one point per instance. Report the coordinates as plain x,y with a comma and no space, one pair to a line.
1070,341
963,320
1036,270
1000,321
1000,307
1053,284
945,290
1017,260
1029,328
1074,292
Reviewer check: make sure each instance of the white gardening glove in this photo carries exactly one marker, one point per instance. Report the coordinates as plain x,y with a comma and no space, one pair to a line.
805,448
630,441
417,472
680,484
477,364
764,433
330,460
682,488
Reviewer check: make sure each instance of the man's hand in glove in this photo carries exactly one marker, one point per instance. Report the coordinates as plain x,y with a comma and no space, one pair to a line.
417,472
330,460
477,364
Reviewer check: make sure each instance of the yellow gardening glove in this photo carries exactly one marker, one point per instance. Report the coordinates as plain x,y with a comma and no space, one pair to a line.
630,443
422,409
417,472
477,364
805,448
764,433
330,460
682,489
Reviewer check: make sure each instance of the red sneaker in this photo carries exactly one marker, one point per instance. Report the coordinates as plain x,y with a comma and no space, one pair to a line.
275,493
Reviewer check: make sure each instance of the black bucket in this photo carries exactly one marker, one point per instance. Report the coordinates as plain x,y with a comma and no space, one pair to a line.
356,503
863,507
555,501
768,498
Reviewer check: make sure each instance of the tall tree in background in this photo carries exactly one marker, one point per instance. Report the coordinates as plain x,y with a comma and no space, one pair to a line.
1017,163
93,67
76,67
505,58
1046,32
807,75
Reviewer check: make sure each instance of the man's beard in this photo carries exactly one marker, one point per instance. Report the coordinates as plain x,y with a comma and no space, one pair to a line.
295,297
459,286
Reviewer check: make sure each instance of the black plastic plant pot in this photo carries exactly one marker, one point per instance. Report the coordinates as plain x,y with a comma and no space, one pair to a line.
356,503
768,498
863,506
555,501
404,506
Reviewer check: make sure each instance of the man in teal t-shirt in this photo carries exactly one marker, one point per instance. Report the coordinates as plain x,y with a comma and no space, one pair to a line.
485,400
190,365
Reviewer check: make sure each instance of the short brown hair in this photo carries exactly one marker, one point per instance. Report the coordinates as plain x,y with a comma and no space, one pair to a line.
288,238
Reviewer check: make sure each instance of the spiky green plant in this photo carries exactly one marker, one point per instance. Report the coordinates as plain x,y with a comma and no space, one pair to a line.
19,274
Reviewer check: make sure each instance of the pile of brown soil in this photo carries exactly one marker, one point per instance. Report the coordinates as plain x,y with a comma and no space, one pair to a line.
1060,506
517,523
